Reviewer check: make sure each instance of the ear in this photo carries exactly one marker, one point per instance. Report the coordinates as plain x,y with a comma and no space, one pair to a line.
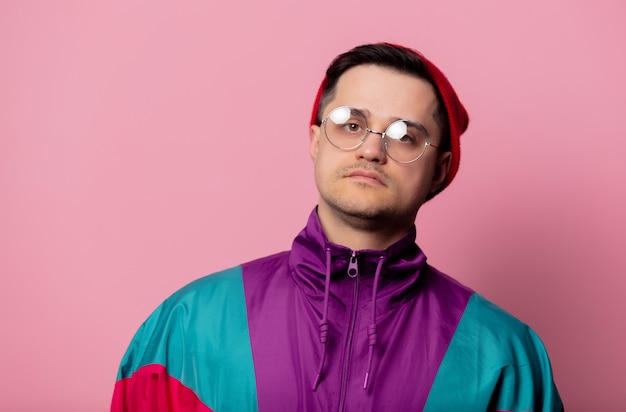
442,168
314,135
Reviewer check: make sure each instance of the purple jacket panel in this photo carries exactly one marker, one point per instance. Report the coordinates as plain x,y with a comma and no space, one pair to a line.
417,312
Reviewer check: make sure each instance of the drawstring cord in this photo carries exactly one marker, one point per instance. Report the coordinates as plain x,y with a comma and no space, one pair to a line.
372,330
324,322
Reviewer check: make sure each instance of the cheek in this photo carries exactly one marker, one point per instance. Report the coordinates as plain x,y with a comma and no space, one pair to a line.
327,158
416,183
321,163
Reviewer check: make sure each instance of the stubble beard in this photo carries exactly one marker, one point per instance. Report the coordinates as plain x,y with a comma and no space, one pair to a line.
371,212
357,214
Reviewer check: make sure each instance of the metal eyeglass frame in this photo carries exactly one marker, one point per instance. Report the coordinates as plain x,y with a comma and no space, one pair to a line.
368,131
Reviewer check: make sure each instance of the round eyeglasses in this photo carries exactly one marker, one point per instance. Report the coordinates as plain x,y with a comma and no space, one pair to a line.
404,141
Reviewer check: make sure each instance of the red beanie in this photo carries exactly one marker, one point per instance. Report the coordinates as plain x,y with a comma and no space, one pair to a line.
457,115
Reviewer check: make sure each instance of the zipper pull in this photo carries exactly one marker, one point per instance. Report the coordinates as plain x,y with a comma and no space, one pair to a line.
353,267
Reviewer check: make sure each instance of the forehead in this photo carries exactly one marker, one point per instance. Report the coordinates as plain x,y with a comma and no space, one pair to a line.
385,92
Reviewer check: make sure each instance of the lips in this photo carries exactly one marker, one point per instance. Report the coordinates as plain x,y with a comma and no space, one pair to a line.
367,175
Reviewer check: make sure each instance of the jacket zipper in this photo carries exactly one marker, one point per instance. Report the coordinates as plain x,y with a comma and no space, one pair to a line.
353,272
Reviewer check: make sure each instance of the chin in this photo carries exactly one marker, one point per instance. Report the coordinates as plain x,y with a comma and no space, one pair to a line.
371,216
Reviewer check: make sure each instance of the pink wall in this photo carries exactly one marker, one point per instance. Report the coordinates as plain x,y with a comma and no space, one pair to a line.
123,175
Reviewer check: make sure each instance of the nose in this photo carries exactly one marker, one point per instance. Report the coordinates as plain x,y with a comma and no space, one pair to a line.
372,148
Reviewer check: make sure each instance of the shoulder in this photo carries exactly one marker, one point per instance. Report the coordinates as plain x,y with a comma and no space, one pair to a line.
491,318
507,339
444,286
268,264
182,345
198,302
219,292
494,361
485,330
218,288
189,320
479,314
204,290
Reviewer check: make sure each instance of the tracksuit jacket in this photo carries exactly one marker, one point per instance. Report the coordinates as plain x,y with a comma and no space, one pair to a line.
325,328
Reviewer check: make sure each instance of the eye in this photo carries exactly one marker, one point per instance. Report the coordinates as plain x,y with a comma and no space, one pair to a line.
406,134
397,130
353,128
400,132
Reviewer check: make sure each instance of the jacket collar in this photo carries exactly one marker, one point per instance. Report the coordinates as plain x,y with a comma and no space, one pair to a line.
403,263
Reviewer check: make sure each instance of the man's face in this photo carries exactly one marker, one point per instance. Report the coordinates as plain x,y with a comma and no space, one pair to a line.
364,186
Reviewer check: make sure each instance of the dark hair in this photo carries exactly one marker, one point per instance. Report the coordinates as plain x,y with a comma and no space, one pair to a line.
388,55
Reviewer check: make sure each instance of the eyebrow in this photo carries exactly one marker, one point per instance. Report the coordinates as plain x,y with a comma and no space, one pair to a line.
418,126
366,113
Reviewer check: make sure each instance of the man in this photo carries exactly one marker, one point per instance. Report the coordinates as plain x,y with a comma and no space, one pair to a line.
352,318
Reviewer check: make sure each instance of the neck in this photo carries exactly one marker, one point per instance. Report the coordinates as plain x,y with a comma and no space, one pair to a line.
359,233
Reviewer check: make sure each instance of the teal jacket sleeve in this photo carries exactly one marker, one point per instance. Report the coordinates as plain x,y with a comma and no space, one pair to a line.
192,354
494,363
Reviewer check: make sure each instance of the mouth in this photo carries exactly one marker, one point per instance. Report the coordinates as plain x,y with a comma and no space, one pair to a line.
366,176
